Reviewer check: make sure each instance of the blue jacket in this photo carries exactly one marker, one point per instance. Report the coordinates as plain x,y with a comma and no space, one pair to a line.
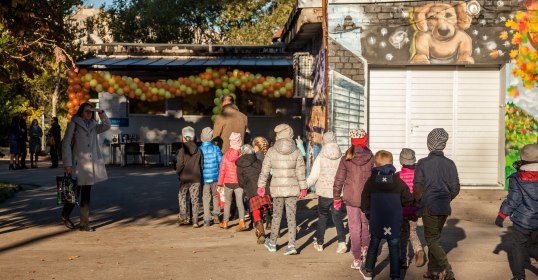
521,204
436,184
382,199
211,162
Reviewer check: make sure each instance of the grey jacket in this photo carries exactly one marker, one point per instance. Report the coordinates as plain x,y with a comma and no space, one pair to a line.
288,169
436,183
324,170
81,150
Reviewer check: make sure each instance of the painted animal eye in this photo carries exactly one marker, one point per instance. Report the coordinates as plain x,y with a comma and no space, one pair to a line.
447,15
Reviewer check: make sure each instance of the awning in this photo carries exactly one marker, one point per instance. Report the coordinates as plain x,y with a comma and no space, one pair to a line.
167,62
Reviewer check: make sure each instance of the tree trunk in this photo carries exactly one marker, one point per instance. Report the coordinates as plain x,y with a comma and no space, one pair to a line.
56,92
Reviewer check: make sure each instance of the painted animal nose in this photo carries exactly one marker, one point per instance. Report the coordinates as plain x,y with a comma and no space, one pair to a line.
443,32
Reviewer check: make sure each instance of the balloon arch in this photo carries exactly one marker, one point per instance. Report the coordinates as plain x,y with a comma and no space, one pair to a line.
221,81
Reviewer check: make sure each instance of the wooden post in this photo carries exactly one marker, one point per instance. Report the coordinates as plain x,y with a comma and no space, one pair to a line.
325,46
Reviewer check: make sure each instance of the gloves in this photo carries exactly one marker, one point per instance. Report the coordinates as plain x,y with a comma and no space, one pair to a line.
499,221
303,194
261,191
220,189
337,204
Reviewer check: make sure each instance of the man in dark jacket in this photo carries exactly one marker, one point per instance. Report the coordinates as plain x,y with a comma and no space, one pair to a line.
382,199
23,132
521,205
436,184
55,132
189,169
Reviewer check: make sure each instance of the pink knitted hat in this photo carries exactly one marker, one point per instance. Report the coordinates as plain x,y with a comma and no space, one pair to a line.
235,141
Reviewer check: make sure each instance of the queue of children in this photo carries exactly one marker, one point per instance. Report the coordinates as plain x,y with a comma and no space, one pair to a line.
379,202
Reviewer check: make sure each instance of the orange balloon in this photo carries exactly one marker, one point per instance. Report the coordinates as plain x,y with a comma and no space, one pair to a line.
111,90
86,97
87,85
132,94
289,93
77,87
77,80
69,105
80,95
82,71
72,95
155,97
136,80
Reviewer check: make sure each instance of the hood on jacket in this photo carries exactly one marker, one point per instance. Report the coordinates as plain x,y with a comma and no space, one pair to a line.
232,155
331,151
190,147
246,160
362,156
283,131
385,169
285,146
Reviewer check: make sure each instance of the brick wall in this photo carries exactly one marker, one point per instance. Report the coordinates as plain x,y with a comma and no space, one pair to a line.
345,62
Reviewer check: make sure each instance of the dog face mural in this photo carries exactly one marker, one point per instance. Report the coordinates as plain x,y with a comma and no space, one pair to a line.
440,37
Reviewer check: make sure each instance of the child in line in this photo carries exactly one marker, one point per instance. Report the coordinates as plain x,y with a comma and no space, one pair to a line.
322,176
409,229
354,169
287,183
210,171
521,205
228,181
261,145
382,199
189,168
248,172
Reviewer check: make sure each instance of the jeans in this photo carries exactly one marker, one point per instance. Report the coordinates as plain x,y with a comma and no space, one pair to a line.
433,226
394,255
291,210
358,231
84,206
194,190
409,233
238,201
525,244
325,207
210,195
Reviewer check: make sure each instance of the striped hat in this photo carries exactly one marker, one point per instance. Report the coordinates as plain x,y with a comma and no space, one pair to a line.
437,139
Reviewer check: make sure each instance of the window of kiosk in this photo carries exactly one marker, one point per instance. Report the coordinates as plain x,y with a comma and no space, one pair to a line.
147,108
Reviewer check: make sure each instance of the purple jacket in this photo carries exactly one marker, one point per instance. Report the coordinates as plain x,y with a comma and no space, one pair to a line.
352,175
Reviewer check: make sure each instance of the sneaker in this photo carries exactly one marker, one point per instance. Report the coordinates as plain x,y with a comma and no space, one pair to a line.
367,275
207,223
271,248
446,274
195,225
356,264
342,248
290,250
317,246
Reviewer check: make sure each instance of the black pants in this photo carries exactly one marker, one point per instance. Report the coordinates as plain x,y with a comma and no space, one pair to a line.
525,245
54,156
22,146
325,208
84,206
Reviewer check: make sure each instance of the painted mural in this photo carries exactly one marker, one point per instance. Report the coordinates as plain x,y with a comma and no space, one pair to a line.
424,33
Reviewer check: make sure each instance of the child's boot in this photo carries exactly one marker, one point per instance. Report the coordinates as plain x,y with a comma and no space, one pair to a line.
420,258
224,225
241,226
260,232
216,219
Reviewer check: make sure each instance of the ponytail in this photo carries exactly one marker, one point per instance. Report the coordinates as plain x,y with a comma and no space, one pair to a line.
350,153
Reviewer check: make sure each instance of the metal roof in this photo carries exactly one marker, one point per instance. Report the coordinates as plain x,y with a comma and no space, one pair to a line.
128,62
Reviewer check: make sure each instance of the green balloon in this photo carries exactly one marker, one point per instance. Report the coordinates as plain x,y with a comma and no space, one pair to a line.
205,83
167,94
282,90
279,79
244,79
226,91
138,91
237,83
277,94
266,84
154,90
119,91
231,87
234,96
216,101
191,77
99,88
211,84
188,90
216,110
183,87
289,85
93,83
107,75
169,82
218,92
161,91
213,118
88,77
215,74
133,85
112,82
259,87
253,90
143,97
198,80
224,84
224,78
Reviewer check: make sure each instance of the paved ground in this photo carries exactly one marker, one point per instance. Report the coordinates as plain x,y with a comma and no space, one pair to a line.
137,238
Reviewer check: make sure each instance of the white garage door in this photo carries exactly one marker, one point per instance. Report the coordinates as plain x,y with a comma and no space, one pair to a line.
406,104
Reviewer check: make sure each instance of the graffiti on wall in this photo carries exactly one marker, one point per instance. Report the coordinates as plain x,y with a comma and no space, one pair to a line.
432,33
521,118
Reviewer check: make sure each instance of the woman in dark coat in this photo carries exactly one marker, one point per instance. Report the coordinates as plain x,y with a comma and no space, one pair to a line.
14,139
248,171
35,142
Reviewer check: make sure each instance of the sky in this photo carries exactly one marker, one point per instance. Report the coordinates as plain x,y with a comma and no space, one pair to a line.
96,3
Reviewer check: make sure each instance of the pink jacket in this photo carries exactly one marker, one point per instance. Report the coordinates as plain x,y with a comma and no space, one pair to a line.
228,169
407,175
